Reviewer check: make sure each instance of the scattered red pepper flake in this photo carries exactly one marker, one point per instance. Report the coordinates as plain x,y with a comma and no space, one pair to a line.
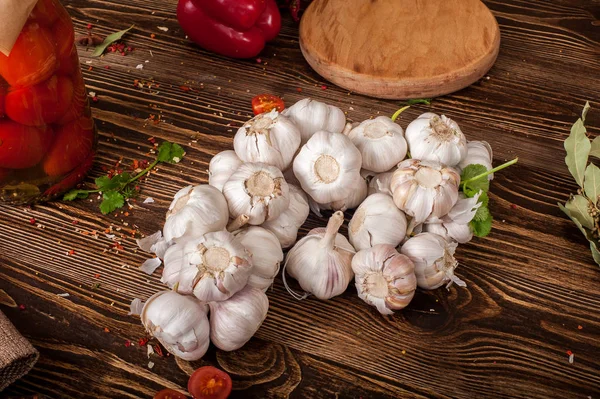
75,221
299,89
90,26
22,307
513,206
106,330
143,341
107,67
185,88
95,99
127,343
71,252
323,87
258,60
96,275
158,350
569,353
580,327
32,221
152,36
126,214
91,68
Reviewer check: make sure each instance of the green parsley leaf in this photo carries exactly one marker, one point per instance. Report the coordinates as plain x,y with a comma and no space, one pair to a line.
482,214
170,152
75,194
482,228
110,39
472,171
112,200
104,183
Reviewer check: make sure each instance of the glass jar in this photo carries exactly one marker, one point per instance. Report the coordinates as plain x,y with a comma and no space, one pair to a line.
47,134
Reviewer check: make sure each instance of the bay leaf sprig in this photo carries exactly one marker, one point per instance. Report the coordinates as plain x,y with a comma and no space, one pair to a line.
118,188
583,208
110,39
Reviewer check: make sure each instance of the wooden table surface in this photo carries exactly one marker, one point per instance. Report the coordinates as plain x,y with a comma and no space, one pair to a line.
533,290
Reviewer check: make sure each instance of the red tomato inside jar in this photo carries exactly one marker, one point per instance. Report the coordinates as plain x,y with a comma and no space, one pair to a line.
47,134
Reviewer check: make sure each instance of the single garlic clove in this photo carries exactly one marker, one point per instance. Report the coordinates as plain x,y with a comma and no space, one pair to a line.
270,138
327,166
381,143
478,153
234,321
212,267
179,322
312,116
423,188
221,167
196,210
257,190
434,260
384,278
377,221
434,138
286,226
266,254
321,261
455,225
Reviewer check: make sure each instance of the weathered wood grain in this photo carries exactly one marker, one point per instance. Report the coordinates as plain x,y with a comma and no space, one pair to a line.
531,283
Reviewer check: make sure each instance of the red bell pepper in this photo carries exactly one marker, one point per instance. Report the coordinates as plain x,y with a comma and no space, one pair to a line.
234,28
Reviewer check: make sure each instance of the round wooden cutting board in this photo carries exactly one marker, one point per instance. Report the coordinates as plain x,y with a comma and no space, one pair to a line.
400,49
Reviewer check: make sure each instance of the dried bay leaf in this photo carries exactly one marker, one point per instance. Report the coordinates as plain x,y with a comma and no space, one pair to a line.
591,184
595,150
578,148
595,252
7,300
578,209
577,223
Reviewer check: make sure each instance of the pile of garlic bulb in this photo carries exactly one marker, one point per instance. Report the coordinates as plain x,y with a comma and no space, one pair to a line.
222,243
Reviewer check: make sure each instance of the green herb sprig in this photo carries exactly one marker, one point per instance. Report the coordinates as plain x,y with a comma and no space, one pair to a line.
118,188
110,39
474,180
584,207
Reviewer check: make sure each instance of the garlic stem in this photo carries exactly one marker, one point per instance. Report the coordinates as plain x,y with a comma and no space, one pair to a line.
238,223
397,113
489,172
333,225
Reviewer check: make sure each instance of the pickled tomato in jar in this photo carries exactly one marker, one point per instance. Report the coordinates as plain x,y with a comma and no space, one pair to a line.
47,134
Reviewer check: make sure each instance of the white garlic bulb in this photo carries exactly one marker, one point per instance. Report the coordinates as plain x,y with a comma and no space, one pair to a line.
384,278
355,197
377,221
478,153
434,261
196,210
434,138
269,138
380,142
321,261
234,321
221,167
212,267
455,225
179,322
265,252
424,188
381,183
286,226
312,116
257,190
327,166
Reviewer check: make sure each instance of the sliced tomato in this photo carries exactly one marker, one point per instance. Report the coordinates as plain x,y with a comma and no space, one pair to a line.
169,394
32,59
70,64
41,104
46,12
79,104
72,144
64,35
22,146
266,102
209,383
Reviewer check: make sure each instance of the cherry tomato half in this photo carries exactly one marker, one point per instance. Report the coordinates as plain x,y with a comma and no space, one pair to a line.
22,146
209,383
73,143
41,104
266,102
169,394
32,59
